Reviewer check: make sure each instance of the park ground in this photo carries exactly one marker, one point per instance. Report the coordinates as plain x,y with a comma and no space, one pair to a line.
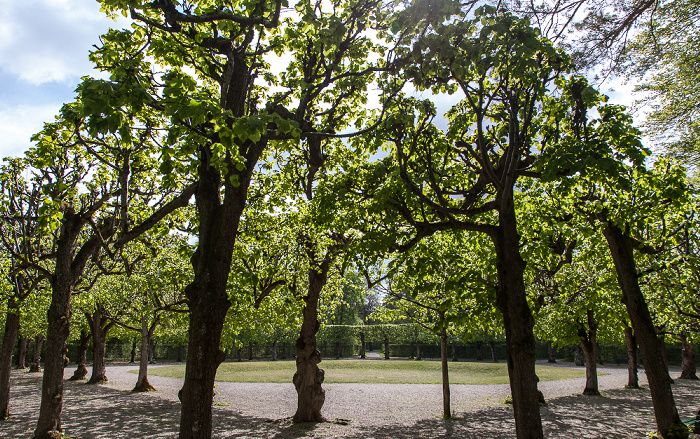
391,411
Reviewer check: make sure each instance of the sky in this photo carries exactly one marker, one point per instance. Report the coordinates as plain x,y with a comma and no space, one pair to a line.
44,48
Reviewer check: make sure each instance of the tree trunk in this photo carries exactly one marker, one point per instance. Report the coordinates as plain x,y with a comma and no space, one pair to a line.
577,356
621,249
492,346
446,409
274,350
688,371
142,384
410,349
550,353
36,363
250,351
454,352
22,352
631,344
152,351
180,349
588,345
386,348
309,377
99,326
8,346
83,344
338,350
511,300
49,423
419,356
240,353
133,351
362,345
479,354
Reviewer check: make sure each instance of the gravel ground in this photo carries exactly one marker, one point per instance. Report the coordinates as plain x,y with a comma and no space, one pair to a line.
395,411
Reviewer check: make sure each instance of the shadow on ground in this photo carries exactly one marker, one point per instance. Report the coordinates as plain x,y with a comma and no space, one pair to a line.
94,411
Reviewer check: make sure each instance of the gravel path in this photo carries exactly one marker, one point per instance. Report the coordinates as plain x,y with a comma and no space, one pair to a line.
396,411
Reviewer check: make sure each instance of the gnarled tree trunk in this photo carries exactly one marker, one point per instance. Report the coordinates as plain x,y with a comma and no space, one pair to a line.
511,300
589,347
83,344
688,371
99,326
22,352
622,251
631,345
550,353
308,378
8,346
446,409
142,384
36,363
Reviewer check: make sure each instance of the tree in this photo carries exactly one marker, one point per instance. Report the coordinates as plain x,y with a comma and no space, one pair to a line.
19,238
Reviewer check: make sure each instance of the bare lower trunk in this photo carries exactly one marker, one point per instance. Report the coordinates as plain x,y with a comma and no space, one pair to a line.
667,419
99,326
49,423
479,354
362,345
240,353
22,352
386,348
338,350
250,351
446,409
152,351
133,351
511,300
274,350
8,345
631,345
588,335
577,355
308,378
550,353
419,356
142,384
688,371
36,363
492,346
83,344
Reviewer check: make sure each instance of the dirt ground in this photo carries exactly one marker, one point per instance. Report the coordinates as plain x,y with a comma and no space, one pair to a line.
387,411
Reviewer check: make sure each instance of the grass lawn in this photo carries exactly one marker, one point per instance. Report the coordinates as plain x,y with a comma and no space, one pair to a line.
372,371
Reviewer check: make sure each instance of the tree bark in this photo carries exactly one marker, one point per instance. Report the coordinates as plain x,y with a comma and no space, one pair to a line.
492,346
36,363
446,409
8,346
419,357
133,351
550,353
479,354
142,384
274,350
363,355
83,344
99,326
22,352
250,351
622,251
338,350
308,378
511,300
589,345
577,356
240,354
151,351
688,371
631,344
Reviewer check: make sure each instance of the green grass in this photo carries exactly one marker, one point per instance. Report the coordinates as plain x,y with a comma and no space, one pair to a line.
372,371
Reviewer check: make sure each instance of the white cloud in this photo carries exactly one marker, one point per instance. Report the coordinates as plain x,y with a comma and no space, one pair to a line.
49,40
18,124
